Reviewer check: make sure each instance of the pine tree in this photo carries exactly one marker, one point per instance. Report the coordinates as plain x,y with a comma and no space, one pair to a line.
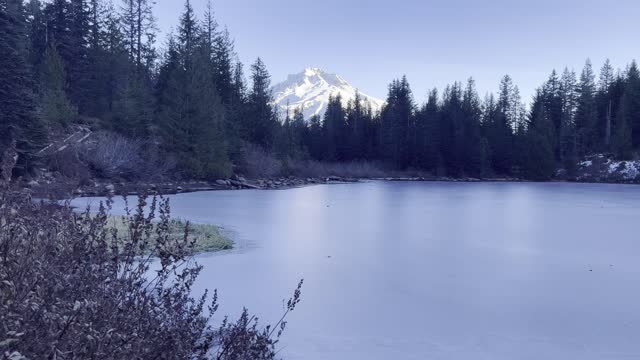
428,134
260,121
224,71
356,124
605,106
139,28
499,127
474,151
553,107
19,121
567,136
56,109
314,139
37,33
208,158
76,57
627,132
586,112
397,122
335,130
539,163
630,105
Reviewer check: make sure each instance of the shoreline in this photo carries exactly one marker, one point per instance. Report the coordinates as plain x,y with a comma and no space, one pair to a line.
65,190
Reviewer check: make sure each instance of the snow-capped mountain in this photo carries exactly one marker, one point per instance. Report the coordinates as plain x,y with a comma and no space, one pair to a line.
311,90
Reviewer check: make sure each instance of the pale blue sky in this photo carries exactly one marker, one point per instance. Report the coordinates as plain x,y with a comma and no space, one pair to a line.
371,42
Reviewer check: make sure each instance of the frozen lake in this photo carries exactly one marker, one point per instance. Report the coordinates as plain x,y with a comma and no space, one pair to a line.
495,271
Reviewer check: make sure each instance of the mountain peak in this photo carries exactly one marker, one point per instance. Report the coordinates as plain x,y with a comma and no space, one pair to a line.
313,71
311,88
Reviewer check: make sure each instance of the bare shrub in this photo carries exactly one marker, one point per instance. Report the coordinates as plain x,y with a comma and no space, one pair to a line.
112,156
260,163
68,163
71,287
356,169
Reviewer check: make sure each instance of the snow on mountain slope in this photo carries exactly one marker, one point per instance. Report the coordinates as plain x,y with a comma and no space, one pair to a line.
311,90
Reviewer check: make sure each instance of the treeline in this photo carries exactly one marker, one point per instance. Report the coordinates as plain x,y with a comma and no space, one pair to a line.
459,134
88,61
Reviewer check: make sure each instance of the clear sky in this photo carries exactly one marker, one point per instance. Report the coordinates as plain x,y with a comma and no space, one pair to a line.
371,42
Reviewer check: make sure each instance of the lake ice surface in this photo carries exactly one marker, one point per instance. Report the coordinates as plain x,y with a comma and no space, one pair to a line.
450,271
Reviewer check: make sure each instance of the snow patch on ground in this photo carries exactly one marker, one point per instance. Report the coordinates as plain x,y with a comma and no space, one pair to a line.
602,168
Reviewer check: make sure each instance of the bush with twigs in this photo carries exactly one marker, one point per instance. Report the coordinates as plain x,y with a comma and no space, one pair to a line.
73,287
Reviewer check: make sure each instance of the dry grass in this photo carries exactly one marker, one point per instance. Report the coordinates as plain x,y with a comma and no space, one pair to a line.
205,237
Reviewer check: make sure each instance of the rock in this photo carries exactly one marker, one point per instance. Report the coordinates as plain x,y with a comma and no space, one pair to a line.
221,182
32,183
110,188
249,186
242,179
179,189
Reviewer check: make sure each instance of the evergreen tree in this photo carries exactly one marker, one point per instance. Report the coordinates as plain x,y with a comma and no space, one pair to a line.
586,112
568,139
427,152
191,114
630,106
357,122
208,156
260,121
475,152
19,121
335,129
553,108
76,57
37,33
56,108
540,161
606,102
314,138
138,24
499,122
397,121
627,132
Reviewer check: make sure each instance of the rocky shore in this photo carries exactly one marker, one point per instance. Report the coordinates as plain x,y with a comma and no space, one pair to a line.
598,168
51,187
55,188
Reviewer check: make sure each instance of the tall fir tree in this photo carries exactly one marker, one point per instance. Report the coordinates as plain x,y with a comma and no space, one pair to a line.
19,121
427,152
627,132
335,130
260,122
586,111
397,120
55,106
539,158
